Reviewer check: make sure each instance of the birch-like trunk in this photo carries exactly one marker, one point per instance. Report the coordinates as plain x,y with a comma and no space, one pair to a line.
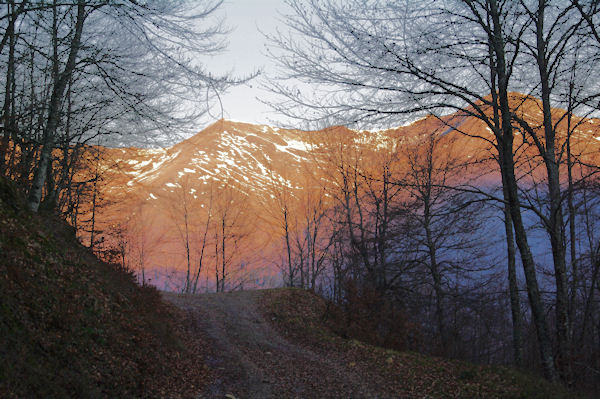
54,110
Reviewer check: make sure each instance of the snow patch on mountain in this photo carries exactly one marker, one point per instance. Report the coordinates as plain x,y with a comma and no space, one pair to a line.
298,145
224,157
142,164
199,161
152,151
156,164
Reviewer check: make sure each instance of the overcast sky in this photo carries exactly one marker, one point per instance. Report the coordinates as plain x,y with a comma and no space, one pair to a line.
246,53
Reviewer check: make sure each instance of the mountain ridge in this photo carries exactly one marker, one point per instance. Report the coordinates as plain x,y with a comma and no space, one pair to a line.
260,161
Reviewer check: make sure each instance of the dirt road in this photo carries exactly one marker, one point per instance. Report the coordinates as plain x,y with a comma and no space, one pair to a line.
252,360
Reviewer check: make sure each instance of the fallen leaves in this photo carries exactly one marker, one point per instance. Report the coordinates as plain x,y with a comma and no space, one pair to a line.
298,316
72,326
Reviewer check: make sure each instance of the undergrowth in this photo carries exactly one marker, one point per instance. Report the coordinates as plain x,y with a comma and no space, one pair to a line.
72,326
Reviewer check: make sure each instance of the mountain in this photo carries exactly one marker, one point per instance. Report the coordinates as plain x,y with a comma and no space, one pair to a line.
247,158
154,205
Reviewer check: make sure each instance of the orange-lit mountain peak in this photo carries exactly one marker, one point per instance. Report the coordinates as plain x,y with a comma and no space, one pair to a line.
260,169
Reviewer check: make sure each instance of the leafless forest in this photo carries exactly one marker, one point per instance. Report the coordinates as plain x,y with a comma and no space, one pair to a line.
487,251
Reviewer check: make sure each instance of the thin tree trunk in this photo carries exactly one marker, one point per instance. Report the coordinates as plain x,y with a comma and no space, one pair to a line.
94,198
204,239
383,230
187,253
217,279
287,244
572,230
513,287
505,148
434,268
594,250
49,133
555,228
223,261
8,123
14,14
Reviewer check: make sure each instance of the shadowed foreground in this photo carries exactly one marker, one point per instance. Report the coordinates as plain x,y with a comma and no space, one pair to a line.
255,360
274,344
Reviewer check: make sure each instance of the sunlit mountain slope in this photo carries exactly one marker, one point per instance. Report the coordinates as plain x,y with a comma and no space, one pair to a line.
159,202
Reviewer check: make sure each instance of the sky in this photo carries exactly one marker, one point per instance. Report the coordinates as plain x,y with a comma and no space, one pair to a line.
245,54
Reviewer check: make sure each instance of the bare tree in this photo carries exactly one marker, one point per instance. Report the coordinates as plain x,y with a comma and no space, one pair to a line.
144,238
82,69
279,207
60,81
231,230
437,58
192,218
202,238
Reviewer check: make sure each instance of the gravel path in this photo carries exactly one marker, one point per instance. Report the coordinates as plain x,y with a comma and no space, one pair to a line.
252,360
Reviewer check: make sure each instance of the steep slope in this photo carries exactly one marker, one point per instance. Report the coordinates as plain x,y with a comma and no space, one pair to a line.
71,326
237,152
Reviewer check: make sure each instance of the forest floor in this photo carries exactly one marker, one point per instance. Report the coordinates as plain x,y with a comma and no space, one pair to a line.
275,344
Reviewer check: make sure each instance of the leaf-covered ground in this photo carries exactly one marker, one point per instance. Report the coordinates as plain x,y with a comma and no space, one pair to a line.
276,344
71,326
299,316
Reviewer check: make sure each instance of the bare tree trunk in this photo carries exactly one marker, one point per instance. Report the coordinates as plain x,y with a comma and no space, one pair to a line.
187,254
204,241
291,270
49,133
14,14
8,124
217,279
505,149
300,257
533,291
223,253
594,250
94,199
571,209
555,227
513,287
382,230
309,251
434,268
